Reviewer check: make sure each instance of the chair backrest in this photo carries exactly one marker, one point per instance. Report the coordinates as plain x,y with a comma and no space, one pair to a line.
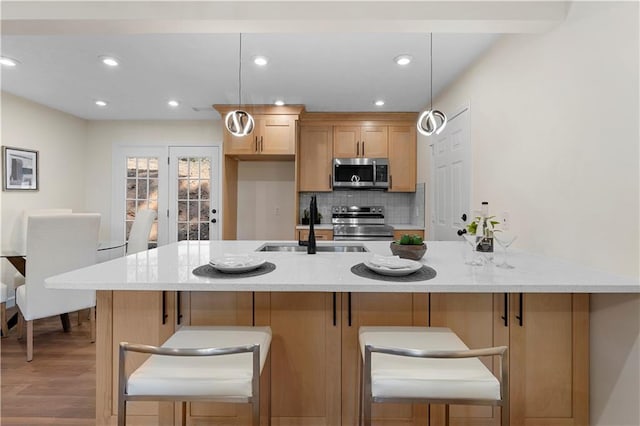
37,212
139,234
57,244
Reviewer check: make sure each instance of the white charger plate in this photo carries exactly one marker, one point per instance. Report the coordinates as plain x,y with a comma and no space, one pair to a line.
236,264
411,267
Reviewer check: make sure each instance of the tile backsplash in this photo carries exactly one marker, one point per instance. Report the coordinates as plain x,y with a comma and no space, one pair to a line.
400,207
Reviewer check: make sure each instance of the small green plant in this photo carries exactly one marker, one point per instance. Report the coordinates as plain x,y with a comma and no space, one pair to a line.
410,240
490,225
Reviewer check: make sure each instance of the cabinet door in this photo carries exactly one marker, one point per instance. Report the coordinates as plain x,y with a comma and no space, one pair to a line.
402,158
374,142
321,234
241,145
346,141
315,155
376,309
145,317
219,308
549,359
476,319
277,135
305,358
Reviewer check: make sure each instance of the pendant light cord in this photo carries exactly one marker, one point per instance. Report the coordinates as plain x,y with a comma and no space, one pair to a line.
240,73
431,70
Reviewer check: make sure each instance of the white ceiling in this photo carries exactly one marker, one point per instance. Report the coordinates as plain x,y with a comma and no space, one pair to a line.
323,71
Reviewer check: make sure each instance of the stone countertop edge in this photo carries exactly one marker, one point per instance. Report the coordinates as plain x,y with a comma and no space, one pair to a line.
170,267
394,225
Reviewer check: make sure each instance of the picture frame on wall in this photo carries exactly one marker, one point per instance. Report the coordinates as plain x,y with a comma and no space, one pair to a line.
20,169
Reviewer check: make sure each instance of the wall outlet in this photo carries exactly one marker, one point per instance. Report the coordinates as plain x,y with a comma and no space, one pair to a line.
506,221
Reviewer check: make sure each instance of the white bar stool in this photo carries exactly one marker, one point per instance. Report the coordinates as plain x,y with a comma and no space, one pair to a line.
431,365
221,364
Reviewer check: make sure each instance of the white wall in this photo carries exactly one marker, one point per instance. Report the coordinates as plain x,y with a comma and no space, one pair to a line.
104,135
60,139
554,134
266,200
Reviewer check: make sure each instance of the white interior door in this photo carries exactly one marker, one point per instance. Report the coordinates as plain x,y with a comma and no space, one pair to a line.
451,177
194,208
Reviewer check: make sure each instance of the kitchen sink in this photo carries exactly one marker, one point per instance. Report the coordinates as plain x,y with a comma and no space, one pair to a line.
294,247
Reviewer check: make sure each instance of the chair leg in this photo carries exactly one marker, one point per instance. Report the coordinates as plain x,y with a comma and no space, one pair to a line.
29,340
255,410
79,317
20,325
3,319
92,323
122,412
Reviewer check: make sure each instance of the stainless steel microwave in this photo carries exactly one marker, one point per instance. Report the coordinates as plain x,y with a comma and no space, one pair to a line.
360,173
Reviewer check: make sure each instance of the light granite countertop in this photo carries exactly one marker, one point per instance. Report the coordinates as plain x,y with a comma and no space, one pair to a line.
170,268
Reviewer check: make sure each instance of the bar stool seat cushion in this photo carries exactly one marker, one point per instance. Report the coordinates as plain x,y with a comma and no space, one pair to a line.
226,376
404,377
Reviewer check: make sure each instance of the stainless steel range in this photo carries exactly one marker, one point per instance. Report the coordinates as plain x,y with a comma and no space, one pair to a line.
360,223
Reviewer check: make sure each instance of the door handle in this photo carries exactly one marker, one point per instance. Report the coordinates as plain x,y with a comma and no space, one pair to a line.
506,310
520,316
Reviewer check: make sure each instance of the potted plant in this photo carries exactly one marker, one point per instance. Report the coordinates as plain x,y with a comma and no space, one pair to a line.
306,219
409,247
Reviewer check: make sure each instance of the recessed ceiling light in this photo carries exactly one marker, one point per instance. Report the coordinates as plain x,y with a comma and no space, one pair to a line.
403,59
101,103
261,60
379,102
279,102
109,61
8,62
173,103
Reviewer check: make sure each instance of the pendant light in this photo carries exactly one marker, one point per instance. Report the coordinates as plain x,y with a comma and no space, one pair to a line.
239,122
431,121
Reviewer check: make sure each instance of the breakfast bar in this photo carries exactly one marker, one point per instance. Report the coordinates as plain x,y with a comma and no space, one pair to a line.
315,304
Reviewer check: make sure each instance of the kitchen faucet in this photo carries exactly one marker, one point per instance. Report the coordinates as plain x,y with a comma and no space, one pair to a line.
313,213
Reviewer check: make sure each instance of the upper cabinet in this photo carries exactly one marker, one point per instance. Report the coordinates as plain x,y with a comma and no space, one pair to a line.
402,158
360,141
315,154
274,132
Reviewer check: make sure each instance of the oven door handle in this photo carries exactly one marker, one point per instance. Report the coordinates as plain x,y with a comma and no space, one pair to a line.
374,167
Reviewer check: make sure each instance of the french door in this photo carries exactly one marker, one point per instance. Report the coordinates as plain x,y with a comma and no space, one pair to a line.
194,208
180,183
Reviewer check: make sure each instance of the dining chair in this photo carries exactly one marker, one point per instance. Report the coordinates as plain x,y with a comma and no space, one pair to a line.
18,278
428,365
197,363
3,310
56,244
139,234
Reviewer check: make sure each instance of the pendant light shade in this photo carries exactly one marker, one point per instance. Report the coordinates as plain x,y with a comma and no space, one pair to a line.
239,122
431,121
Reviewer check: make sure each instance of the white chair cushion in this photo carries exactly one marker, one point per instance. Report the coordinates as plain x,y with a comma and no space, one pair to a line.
224,376
3,292
403,377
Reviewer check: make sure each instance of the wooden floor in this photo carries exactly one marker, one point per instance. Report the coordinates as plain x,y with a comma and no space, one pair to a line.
59,386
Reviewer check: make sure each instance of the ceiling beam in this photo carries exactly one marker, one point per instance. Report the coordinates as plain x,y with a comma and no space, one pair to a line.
207,17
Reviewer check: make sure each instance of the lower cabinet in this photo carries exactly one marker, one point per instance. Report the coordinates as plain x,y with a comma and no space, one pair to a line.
321,234
398,233
548,340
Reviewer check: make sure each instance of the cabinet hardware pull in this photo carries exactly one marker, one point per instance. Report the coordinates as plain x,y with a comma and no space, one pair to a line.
349,308
261,144
179,305
505,317
357,148
164,307
330,182
256,144
334,309
363,148
520,317
390,181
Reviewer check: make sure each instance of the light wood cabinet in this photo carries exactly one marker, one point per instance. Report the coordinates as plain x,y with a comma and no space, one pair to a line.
138,317
321,234
315,156
272,135
360,141
547,336
377,309
402,158
305,358
397,233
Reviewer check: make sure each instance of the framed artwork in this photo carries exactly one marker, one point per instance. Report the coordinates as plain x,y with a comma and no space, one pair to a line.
20,169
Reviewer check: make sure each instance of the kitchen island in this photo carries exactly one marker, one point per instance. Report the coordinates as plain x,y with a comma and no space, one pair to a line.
315,305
